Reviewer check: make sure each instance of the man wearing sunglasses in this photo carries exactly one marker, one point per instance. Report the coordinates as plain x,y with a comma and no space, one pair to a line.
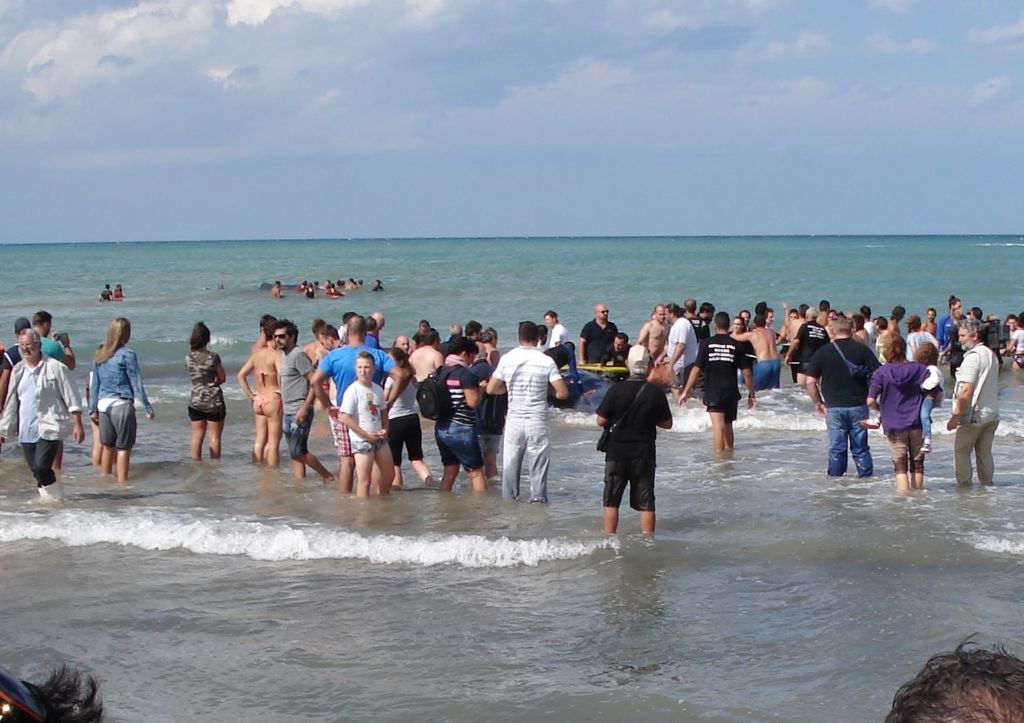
596,337
297,396
42,408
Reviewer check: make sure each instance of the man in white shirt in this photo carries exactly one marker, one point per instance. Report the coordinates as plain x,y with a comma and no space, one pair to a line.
557,333
42,408
976,406
525,374
681,349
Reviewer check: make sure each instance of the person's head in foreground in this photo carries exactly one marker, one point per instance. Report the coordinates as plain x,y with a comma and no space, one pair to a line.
65,697
968,685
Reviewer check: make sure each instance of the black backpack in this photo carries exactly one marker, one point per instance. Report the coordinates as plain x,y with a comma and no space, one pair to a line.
433,398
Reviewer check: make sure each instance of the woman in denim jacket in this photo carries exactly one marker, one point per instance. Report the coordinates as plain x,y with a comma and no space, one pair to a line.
116,383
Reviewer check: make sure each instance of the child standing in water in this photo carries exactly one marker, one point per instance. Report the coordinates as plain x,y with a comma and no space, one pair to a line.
931,387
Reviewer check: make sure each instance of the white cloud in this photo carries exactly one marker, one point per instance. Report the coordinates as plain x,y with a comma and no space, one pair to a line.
885,44
990,89
661,17
998,33
900,7
805,45
257,12
56,61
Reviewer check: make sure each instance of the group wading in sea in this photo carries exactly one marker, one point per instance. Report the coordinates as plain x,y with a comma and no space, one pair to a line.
481,400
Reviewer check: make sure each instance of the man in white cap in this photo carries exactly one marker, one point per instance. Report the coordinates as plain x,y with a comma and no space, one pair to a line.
41,408
632,409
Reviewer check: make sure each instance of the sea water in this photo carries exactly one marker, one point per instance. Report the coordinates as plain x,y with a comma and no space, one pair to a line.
224,591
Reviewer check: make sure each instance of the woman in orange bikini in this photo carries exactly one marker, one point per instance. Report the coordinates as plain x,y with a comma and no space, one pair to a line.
266,400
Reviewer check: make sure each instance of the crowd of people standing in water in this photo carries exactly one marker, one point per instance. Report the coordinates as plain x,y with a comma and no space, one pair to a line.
482,400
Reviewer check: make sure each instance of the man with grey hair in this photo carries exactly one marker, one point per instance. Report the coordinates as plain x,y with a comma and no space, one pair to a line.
633,410
42,408
975,413
837,382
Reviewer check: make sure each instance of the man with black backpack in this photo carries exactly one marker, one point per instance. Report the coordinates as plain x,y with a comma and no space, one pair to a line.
837,382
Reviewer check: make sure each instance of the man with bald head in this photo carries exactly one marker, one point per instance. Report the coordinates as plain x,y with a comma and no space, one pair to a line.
596,337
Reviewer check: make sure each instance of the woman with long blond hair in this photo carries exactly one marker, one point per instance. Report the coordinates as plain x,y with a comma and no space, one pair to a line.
116,384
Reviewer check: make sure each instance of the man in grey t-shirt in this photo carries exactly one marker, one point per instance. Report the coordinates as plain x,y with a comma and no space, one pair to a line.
297,397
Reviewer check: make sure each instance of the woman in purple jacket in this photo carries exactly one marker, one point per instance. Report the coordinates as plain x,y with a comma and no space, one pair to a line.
895,391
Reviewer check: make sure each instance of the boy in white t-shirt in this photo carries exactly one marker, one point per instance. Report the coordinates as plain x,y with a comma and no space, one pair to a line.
364,413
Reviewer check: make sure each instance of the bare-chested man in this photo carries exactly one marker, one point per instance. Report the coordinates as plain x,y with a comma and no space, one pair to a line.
426,358
768,367
654,334
790,328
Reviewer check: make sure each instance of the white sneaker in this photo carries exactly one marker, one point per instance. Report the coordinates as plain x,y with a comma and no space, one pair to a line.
926,446
51,493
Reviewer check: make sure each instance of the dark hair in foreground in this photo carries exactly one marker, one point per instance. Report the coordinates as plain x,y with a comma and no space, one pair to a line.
200,336
66,697
968,685
722,320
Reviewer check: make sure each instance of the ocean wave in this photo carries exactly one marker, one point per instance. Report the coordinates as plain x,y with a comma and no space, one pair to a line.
163,530
694,418
1002,545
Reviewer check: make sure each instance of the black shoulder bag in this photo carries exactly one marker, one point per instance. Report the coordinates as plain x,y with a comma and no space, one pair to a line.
606,435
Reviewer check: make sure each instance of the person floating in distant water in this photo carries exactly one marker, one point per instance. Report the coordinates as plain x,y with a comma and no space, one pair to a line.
378,285
106,294
118,293
275,291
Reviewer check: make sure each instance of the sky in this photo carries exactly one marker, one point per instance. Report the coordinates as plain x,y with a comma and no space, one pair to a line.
235,119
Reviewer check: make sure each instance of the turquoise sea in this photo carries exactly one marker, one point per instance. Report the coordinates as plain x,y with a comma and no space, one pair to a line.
770,592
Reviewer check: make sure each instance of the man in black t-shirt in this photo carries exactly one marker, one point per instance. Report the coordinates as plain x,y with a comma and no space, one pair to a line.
596,337
842,397
629,458
720,357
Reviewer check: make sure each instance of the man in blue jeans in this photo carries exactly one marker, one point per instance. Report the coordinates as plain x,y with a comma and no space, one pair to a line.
837,382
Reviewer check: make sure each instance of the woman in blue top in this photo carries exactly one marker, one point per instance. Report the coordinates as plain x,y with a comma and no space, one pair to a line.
116,383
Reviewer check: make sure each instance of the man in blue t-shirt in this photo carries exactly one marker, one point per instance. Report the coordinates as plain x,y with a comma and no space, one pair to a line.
340,366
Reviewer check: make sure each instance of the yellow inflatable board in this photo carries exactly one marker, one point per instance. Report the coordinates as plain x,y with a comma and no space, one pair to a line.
599,369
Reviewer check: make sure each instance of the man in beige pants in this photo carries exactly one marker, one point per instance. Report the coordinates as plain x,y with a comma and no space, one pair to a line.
976,406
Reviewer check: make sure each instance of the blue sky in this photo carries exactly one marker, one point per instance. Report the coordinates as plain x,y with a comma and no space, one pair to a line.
194,119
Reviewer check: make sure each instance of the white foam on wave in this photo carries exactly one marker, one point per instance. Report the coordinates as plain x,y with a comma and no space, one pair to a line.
274,542
1001,545
694,418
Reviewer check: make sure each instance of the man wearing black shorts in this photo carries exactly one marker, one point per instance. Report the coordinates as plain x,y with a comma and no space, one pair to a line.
636,409
720,357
